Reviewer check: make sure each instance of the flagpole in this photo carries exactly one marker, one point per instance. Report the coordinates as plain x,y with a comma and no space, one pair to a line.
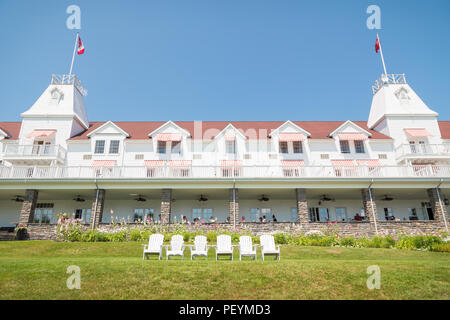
381,53
73,56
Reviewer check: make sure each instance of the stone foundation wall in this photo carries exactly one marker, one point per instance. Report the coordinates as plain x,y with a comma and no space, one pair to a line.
41,231
357,229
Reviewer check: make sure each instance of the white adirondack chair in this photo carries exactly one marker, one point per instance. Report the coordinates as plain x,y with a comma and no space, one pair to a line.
200,247
224,247
155,244
176,247
268,246
246,249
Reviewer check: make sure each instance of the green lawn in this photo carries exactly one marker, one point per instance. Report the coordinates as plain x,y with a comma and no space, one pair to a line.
37,270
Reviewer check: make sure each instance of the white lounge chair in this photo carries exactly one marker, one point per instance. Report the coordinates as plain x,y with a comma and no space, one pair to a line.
176,247
246,249
224,247
155,244
200,247
268,246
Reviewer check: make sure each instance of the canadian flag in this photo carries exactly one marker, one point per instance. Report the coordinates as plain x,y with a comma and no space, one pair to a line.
377,45
80,46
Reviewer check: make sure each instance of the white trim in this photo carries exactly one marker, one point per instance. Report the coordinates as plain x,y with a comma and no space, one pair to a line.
349,122
292,124
187,133
109,122
230,125
4,134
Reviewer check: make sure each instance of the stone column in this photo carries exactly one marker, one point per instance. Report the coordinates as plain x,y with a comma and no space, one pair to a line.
233,200
97,207
370,207
302,206
28,207
166,197
439,208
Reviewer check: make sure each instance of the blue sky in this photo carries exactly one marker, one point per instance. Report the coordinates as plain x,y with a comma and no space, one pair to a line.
224,59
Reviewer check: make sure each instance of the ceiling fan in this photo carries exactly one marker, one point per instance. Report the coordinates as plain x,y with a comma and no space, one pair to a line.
17,198
139,198
78,198
326,198
387,198
202,198
264,198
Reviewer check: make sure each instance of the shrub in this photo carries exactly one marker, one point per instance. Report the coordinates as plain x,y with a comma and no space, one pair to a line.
441,247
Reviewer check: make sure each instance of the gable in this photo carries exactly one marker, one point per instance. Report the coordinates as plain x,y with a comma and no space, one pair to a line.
108,128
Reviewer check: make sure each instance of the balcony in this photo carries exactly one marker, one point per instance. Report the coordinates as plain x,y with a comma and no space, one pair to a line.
422,151
40,154
221,173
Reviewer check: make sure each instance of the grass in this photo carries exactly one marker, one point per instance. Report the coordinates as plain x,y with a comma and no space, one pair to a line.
37,270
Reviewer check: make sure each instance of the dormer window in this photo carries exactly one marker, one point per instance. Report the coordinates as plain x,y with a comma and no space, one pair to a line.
359,146
297,147
99,146
114,146
176,147
284,147
161,147
230,146
345,146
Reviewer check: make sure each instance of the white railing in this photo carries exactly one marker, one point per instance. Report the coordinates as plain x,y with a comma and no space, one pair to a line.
422,150
32,151
217,172
388,79
69,79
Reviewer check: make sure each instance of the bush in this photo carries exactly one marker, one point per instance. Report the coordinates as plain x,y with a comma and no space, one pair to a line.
441,247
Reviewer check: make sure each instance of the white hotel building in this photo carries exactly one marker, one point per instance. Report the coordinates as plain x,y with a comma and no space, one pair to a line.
390,172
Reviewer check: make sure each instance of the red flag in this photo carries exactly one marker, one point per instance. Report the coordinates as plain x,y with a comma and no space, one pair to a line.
80,46
377,45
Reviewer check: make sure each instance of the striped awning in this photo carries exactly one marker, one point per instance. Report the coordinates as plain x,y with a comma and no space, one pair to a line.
286,137
417,133
346,163
154,163
368,162
168,137
41,133
230,136
103,163
292,163
352,136
180,163
231,163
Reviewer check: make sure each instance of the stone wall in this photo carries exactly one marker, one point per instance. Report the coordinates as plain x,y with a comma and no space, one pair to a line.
357,229
38,231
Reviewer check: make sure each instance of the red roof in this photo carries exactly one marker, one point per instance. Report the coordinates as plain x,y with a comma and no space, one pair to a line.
251,129
12,129
444,126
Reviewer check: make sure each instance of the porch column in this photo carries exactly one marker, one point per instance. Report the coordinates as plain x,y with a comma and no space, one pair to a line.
28,207
166,198
438,206
302,206
370,208
234,205
97,207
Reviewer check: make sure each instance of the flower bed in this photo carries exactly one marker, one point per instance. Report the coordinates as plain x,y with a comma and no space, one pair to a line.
70,229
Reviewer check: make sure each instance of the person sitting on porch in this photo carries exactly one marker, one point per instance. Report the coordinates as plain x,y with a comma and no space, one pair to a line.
264,219
260,219
212,219
358,217
274,219
185,220
228,220
242,219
